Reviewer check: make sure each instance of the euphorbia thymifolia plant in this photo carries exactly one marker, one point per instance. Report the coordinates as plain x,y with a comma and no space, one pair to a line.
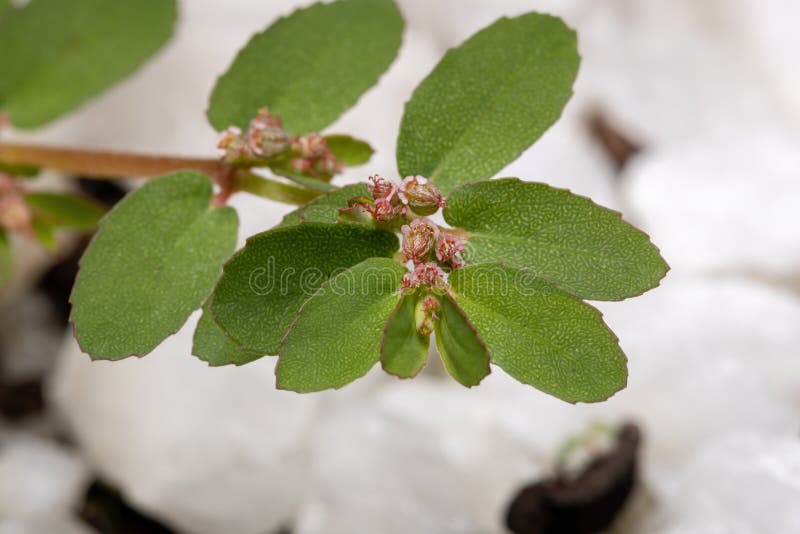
496,270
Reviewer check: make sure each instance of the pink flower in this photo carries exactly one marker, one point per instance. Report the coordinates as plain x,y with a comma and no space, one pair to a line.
428,275
449,249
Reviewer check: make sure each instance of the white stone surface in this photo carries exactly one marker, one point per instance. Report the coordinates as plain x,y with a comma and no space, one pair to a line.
38,479
726,203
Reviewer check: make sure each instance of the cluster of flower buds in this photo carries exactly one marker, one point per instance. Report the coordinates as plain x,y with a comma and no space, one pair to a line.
421,196
448,250
266,138
428,275
391,201
386,205
14,212
426,314
312,156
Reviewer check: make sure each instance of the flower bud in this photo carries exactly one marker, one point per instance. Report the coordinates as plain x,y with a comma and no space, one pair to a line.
380,187
421,196
449,249
419,238
15,214
425,313
428,275
232,146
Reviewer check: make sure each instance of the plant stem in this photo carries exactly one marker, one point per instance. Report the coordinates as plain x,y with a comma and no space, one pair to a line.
110,165
105,164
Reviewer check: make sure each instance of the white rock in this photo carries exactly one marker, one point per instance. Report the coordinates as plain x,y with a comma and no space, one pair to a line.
747,483
203,449
49,525
38,478
706,358
425,453
726,204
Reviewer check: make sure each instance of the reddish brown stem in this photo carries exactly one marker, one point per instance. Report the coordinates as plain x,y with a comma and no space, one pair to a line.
106,164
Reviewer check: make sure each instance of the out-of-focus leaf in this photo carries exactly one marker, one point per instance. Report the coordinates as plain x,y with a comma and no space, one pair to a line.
310,66
6,258
56,54
350,151
65,210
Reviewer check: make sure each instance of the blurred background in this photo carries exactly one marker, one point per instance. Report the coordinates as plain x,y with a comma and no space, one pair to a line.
686,118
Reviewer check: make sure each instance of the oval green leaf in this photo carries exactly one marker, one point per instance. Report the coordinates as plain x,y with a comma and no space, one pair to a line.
6,258
461,348
153,261
404,352
54,55
265,284
310,66
65,210
488,100
214,347
337,334
348,150
325,208
539,334
579,246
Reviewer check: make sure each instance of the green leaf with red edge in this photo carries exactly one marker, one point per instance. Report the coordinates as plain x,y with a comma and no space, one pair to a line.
310,66
213,346
264,284
461,348
404,351
325,208
540,334
488,100
153,261
579,246
336,336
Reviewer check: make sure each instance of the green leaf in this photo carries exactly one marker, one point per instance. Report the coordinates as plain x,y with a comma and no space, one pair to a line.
348,150
462,350
325,209
309,67
404,352
301,179
44,232
153,261
337,334
65,210
54,55
213,346
488,100
266,282
539,334
6,258
272,189
579,246
19,171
